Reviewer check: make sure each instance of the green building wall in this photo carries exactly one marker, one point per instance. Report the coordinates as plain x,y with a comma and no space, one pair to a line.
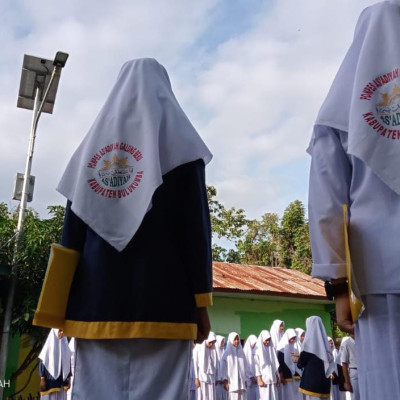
250,316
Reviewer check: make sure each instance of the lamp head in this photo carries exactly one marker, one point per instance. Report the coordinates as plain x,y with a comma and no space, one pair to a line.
60,59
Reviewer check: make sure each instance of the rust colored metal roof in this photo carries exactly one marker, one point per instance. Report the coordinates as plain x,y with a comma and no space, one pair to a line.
271,281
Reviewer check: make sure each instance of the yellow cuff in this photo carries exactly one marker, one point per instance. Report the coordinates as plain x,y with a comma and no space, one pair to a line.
53,299
203,299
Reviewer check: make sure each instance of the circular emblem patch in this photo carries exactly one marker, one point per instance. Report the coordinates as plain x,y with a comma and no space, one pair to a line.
115,170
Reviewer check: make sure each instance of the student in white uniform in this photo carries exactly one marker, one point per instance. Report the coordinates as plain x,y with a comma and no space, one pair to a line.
286,351
205,363
220,391
235,370
249,350
277,330
349,364
355,161
267,365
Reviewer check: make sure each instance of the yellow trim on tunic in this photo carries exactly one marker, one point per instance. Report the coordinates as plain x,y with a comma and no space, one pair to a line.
297,378
203,299
129,330
314,394
288,379
50,391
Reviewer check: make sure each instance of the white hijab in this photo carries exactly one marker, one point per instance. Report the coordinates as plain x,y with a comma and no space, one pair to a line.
364,99
220,351
267,358
140,134
56,355
299,332
207,357
288,348
276,334
316,343
249,351
236,364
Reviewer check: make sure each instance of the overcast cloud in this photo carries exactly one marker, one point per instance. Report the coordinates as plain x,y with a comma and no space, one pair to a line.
251,75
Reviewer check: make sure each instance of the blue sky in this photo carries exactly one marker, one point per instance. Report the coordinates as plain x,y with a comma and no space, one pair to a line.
250,74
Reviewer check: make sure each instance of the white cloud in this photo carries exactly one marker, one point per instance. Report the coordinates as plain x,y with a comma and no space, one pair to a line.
253,97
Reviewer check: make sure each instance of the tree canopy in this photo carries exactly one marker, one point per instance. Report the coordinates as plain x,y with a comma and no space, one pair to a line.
269,241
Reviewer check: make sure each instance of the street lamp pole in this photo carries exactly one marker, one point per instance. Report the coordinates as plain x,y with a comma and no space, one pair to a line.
38,107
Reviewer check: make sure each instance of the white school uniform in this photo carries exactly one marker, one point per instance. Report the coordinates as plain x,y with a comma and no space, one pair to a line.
221,393
235,369
289,390
249,350
205,363
266,365
354,148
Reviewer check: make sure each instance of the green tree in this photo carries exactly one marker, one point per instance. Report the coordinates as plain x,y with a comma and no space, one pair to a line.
260,243
295,249
32,256
226,223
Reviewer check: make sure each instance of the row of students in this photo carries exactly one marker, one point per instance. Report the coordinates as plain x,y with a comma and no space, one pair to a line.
276,365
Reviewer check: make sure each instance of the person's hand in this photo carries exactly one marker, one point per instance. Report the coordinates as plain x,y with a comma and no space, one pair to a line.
347,387
282,379
253,379
278,381
343,313
197,382
226,386
203,325
295,357
260,382
42,384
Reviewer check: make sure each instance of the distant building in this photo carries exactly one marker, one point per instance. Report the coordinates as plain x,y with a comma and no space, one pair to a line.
247,298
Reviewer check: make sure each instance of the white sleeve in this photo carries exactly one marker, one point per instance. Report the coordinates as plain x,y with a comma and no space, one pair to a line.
195,363
257,365
330,178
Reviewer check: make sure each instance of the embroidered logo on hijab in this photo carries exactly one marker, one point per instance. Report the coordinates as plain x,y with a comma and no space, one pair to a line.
115,173
385,118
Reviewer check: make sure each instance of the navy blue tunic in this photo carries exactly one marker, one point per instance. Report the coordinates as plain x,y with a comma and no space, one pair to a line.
167,262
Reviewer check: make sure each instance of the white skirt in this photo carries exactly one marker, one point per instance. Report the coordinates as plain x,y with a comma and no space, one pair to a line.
61,395
127,369
206,391
268,392
378,347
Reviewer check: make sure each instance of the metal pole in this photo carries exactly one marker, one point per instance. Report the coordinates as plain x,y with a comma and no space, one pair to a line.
21,217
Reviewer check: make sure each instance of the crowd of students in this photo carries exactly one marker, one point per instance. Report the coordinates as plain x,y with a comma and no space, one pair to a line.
279,364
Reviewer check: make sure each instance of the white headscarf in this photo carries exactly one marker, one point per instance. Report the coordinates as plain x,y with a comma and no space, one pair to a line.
140,134
236,364
267,358
299,332
249,351
364,99
207,357
56,355
288,348
276,334
220,351
316,343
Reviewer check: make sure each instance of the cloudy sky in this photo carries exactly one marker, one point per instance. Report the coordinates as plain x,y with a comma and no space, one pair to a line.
250,74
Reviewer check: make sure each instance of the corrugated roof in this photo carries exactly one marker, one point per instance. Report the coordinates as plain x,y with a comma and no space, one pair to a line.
271,281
